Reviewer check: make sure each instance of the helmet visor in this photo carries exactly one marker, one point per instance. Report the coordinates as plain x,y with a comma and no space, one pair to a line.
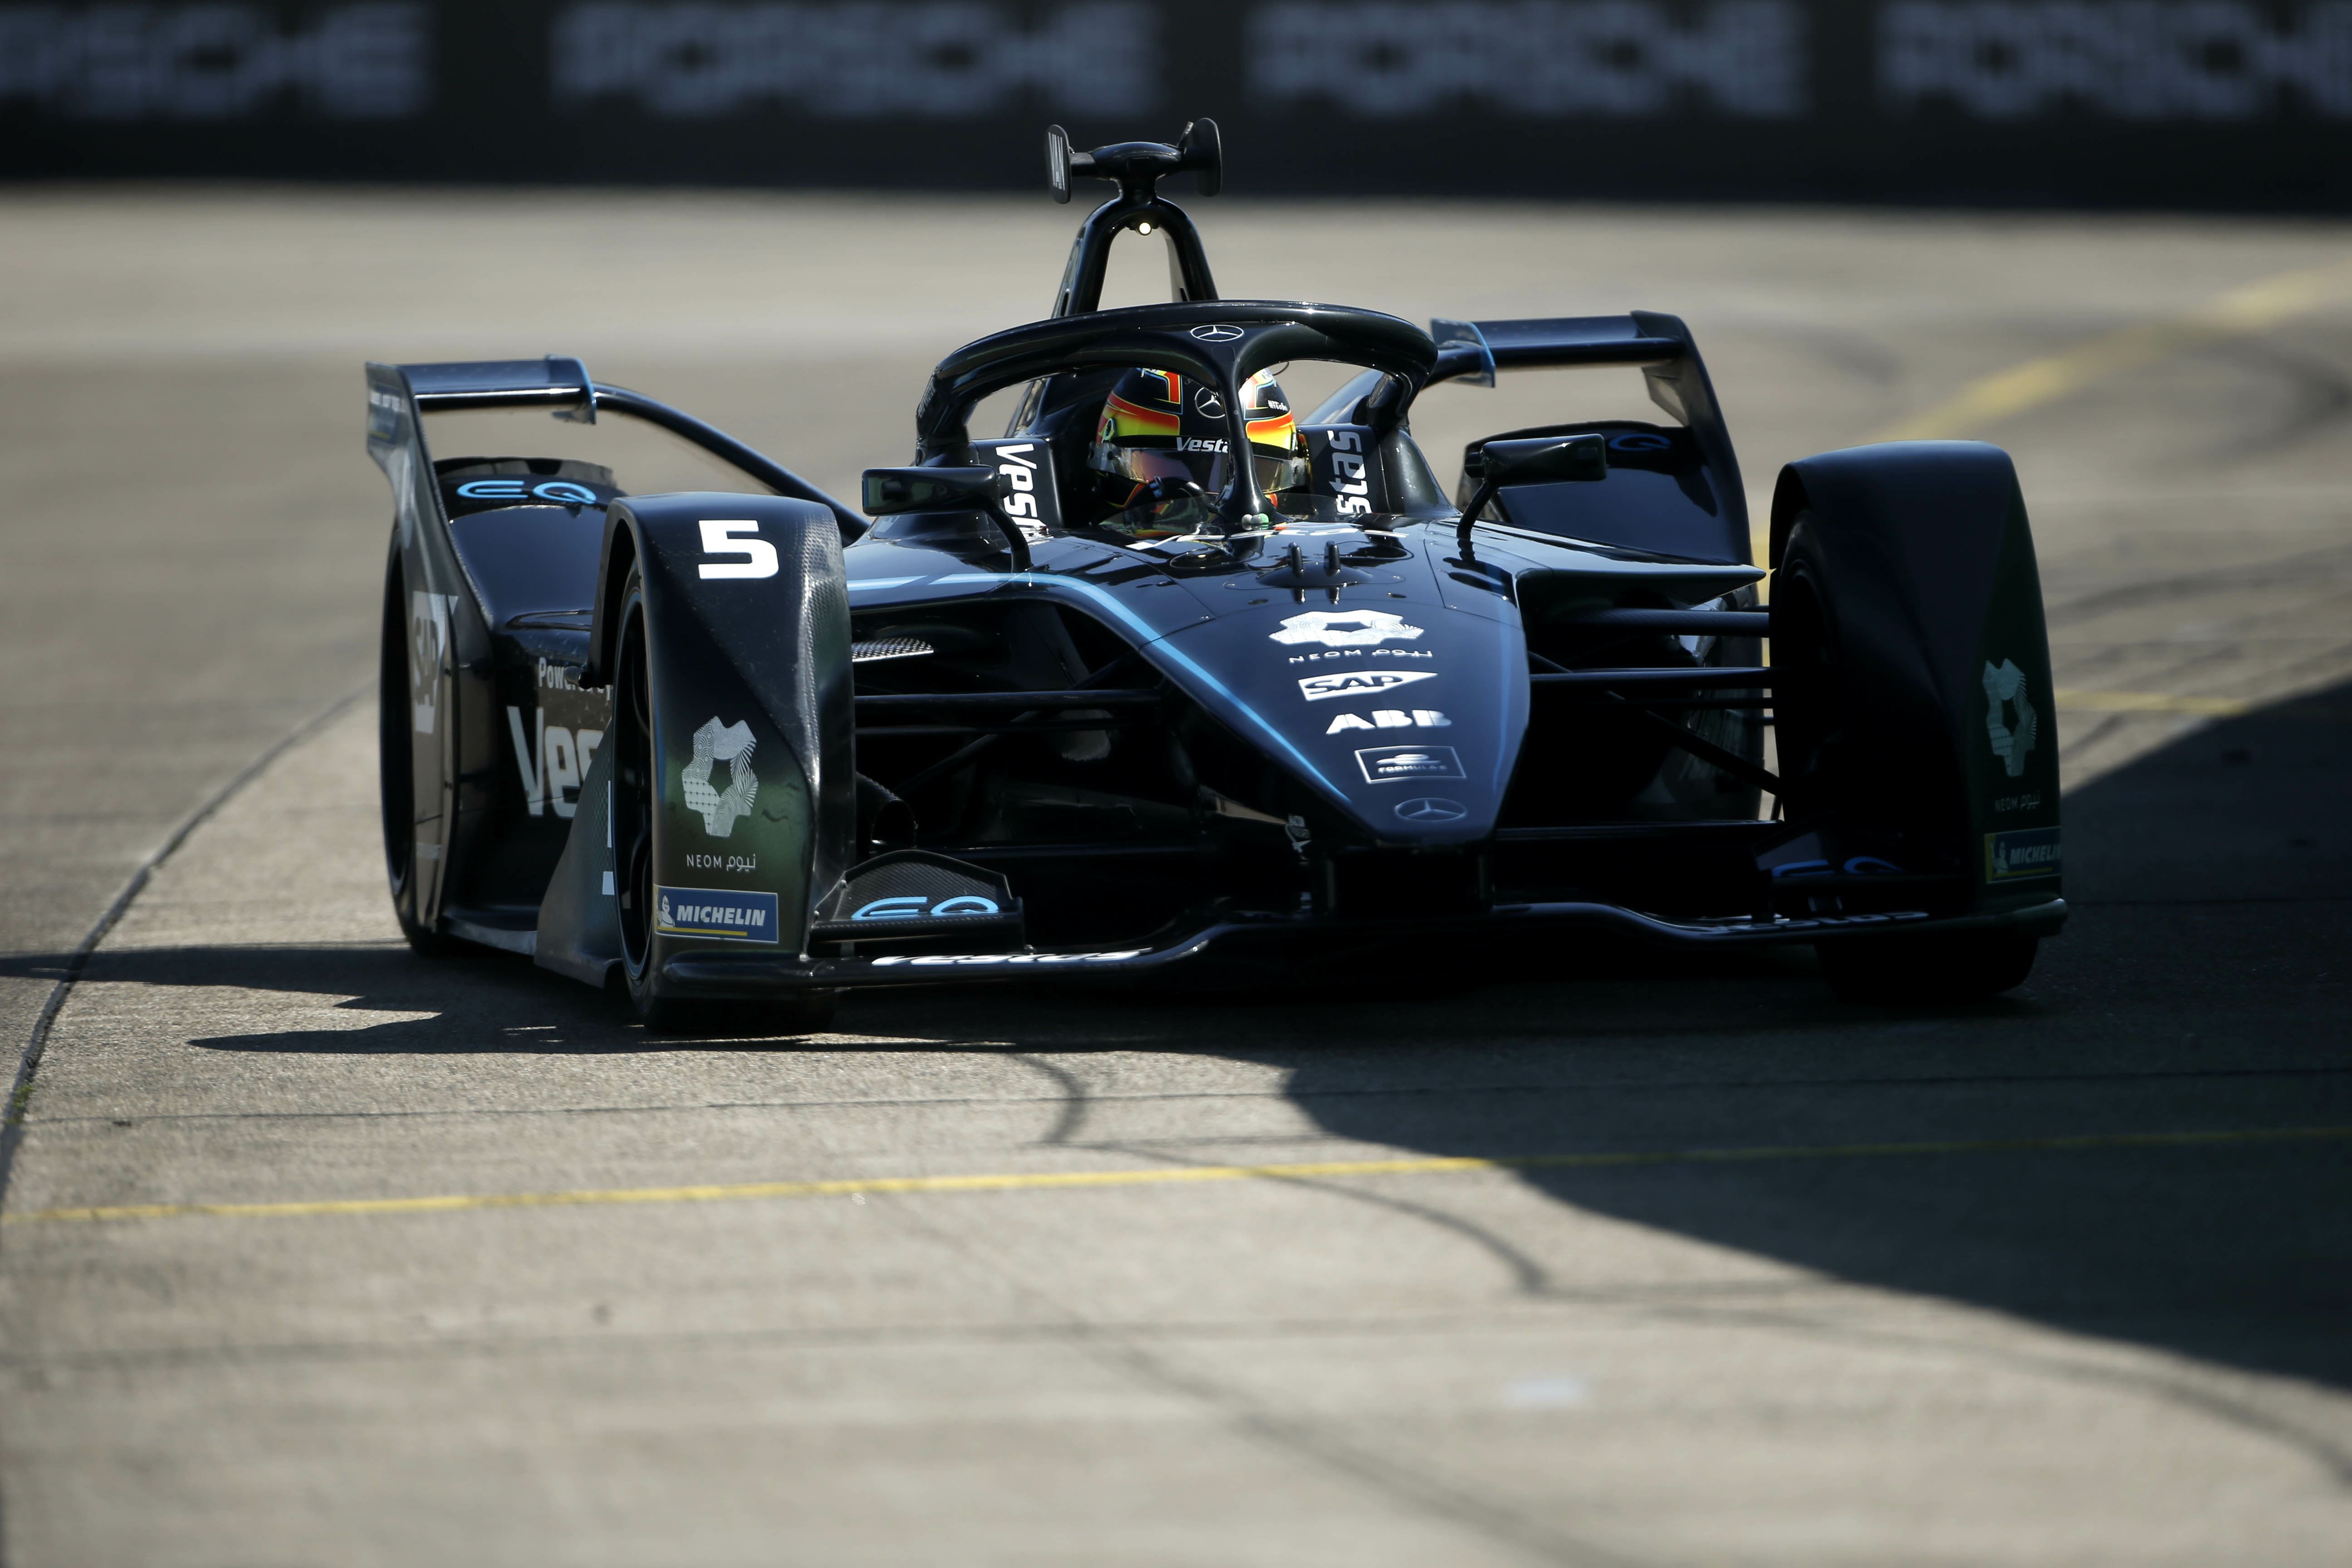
1210,470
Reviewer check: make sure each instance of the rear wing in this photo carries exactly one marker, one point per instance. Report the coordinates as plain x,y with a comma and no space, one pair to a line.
1660,346
398,393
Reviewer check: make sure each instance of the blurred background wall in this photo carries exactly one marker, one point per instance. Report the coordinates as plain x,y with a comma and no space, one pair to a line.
2213,104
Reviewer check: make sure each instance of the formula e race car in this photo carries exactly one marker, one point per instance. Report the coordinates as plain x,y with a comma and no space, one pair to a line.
1170,674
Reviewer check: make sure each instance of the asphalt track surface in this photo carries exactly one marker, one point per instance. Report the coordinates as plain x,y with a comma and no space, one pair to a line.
315,1252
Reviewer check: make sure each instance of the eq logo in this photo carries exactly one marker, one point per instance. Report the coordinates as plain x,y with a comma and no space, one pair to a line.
917,907
1432,809
1217,334
564,492
1344,628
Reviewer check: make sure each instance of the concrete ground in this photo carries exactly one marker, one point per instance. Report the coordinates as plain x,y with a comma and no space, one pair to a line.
2099,1320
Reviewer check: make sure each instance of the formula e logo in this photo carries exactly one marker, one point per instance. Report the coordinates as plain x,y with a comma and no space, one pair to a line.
561,491
1344,628
1219,334
1358,682
913,907
2004,687
1209,403
714,743
1391,765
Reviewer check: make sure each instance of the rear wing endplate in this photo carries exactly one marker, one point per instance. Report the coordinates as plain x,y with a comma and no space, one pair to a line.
564,386
1660,346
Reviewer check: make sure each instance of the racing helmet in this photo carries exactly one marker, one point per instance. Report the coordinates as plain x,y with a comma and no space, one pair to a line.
1160,424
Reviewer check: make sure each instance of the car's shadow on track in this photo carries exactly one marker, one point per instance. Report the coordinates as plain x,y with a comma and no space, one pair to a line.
2203,987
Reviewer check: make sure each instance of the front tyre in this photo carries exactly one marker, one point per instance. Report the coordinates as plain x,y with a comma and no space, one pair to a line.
396,763
635,781
1934,970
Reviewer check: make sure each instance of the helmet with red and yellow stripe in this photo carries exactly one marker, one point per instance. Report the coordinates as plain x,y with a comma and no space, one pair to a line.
1163,424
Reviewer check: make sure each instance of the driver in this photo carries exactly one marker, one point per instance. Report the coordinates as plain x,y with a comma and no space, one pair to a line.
1164,437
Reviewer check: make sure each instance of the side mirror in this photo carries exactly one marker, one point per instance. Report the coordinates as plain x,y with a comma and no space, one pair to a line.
888,491
1535,460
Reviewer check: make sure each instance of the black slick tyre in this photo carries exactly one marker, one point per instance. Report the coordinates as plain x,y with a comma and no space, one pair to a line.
636,780
396,763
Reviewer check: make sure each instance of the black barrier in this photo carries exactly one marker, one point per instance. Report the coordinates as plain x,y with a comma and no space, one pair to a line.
2203,103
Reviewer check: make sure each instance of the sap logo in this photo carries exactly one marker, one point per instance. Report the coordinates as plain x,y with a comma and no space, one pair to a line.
378,398
554,765
564,492
1358,682
428,652
1344,628
1021,506
917,907
1392,719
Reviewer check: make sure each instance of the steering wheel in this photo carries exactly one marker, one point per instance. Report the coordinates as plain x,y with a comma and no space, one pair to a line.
1221,342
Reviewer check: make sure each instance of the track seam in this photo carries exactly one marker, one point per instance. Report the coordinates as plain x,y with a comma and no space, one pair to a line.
20,1090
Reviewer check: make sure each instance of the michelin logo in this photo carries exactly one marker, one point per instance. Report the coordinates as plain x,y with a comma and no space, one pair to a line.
713,743
725,915
2015,857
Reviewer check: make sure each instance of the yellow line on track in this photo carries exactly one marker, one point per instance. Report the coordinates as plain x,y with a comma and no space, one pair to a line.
2253,308
2150,703
1163,1175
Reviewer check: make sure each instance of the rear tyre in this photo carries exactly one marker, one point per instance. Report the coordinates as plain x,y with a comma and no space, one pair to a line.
396,764
1927,971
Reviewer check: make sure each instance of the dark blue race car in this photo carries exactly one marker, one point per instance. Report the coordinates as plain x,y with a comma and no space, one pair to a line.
1173,674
